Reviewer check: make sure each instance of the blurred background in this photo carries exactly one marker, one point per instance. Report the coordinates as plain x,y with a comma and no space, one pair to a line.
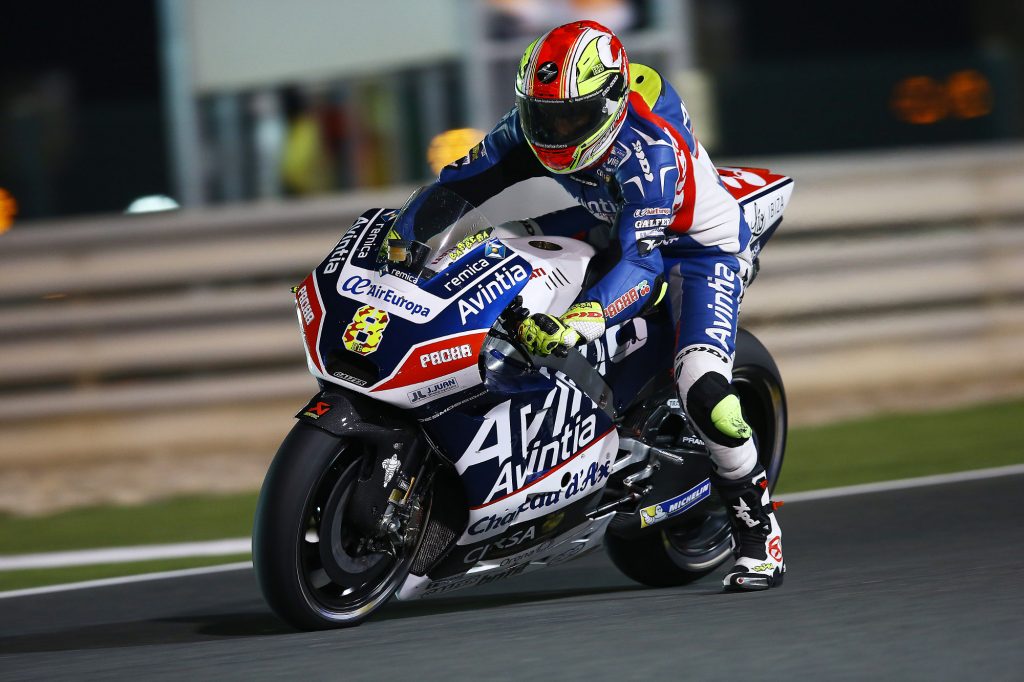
169,168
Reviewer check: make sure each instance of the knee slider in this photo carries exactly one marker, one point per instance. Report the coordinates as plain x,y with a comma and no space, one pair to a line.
715,409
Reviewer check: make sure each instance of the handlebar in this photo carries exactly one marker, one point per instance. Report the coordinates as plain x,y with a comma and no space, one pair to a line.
511,318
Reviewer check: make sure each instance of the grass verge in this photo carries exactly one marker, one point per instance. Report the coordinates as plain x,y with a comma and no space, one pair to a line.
904,446
862,451
184,519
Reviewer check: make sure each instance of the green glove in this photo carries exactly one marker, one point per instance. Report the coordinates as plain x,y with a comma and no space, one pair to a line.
544,334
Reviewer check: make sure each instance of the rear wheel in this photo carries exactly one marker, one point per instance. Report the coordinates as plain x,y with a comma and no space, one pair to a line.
756,378
681,553
676,555
316,570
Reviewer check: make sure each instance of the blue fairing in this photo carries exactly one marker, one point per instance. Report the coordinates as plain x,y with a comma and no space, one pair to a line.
524,433
468,294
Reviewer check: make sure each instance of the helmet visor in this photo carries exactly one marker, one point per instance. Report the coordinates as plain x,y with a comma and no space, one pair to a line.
562,123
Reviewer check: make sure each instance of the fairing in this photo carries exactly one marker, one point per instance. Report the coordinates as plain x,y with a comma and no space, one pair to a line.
532,450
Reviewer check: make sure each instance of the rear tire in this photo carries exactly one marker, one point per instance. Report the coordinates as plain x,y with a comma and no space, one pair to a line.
674,556
691,549
309,584
756,378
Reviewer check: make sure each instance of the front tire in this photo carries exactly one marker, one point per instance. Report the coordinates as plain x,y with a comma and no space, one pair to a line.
308,562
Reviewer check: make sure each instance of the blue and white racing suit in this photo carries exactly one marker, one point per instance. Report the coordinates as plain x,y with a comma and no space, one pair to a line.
673,221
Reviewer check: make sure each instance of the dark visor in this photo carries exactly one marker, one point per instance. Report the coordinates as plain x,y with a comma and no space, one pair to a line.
560,122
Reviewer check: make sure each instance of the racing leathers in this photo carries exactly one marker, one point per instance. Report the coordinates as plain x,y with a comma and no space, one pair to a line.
674,225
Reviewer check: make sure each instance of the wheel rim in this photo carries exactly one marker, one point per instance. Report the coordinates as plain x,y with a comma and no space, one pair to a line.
338,582
764,408
700,546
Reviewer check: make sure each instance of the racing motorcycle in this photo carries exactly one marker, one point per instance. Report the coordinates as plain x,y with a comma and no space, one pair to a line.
439,454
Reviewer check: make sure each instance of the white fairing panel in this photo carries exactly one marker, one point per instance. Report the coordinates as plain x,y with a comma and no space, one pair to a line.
559,266
766,209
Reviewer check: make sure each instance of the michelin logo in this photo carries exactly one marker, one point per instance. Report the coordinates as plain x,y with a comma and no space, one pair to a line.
677,505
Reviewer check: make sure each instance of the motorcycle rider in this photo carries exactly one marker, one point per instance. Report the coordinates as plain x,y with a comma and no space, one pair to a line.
618,138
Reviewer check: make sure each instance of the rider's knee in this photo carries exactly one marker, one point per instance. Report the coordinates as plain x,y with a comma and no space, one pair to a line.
714,406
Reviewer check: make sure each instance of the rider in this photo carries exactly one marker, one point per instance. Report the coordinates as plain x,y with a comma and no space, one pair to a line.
618,138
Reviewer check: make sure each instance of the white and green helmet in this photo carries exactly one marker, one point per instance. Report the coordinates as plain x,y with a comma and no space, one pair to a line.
571,93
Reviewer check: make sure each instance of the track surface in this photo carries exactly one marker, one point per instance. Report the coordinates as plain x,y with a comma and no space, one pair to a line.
916,584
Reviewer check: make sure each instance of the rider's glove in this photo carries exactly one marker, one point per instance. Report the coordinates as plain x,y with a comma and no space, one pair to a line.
544,334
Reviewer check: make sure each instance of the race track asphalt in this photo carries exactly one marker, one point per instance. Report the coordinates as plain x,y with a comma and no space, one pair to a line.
921,584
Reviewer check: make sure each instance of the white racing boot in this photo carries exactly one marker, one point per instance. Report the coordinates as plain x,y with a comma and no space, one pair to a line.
759,565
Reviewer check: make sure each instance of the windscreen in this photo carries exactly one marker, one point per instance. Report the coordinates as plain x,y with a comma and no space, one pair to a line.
431,226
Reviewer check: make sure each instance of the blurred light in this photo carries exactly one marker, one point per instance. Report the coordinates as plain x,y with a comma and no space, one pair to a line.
920,100
451,145
153,203
970,94
54,296
8,209
923,100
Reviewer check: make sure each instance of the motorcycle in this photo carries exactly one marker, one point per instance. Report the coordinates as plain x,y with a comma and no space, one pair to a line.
439,454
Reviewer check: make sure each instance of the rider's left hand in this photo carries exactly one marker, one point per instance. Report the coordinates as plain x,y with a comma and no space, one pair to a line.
542,334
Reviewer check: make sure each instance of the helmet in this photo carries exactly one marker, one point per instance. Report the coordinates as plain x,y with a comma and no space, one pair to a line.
571,93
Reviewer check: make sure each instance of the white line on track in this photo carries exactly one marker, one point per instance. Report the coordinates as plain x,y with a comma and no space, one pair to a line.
902,484
123,580
122,555
240,545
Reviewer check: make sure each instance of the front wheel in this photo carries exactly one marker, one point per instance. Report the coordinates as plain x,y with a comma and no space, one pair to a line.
315,570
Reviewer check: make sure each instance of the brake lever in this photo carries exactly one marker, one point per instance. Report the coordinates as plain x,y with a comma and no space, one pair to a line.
514,315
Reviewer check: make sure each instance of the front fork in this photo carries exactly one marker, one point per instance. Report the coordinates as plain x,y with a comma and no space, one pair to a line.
385,507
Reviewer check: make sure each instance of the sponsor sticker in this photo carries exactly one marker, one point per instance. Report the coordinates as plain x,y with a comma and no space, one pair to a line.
677,505
467,273
490,290
365,288
366,330
390,467
652,223
641,212
400,274
446,355
434,359
317,410
351,379
627,299
645,165
305,307
434,390
458,582
775,548
341,250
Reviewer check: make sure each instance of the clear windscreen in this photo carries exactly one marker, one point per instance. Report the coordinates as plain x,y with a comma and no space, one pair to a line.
431,228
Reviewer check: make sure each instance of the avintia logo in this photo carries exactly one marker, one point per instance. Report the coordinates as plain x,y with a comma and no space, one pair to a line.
488,292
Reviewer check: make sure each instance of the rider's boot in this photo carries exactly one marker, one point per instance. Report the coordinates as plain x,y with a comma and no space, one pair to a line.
759,565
